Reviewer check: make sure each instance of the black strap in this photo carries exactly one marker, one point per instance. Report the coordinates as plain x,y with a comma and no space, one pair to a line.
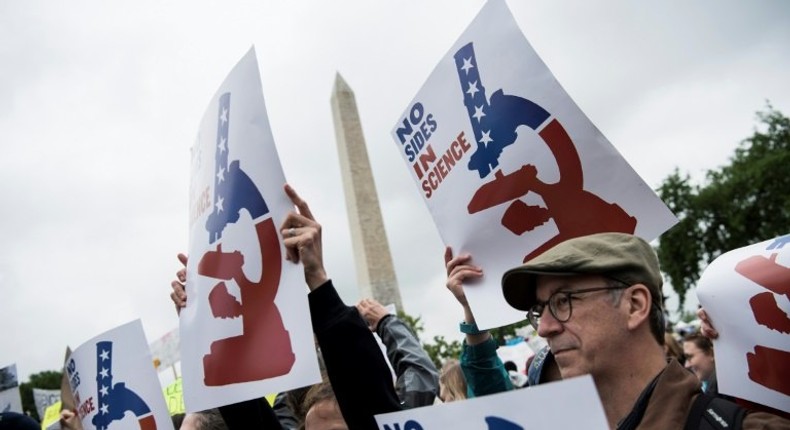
714,413
632,420
693,421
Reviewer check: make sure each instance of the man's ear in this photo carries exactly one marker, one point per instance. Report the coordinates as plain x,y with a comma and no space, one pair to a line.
639,301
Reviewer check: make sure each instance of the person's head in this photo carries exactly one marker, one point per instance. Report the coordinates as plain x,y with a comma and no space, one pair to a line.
672,348
17,421
204,420
592,298
452,385
294,400
698,350
323,412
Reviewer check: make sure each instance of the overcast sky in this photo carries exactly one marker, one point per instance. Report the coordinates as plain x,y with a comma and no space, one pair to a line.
100,102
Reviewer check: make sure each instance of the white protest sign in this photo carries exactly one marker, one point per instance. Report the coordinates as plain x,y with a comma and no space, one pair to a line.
10,399
246,329
165,350
541,407
746,293
518,353
44,399
509,165
114,383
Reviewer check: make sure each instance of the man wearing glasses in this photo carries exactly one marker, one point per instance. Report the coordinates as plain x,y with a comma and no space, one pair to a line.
597,301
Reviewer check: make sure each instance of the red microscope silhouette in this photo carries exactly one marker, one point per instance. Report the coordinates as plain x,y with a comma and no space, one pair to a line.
768,366
495,122
263,350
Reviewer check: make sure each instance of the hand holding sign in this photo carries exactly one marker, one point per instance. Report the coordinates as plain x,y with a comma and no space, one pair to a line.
236,339
508,165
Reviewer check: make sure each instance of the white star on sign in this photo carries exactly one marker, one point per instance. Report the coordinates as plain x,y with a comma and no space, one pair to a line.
222,145
104,390
105,409
104,372
478,113
221,174
472,89
224,116
486,138
105,355
467,65
219,204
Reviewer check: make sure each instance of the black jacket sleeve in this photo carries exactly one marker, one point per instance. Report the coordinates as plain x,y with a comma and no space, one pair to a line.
357,370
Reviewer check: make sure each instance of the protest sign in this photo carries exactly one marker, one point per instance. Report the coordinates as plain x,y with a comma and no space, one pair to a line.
534,408
114,383
165,350
246,328
10,400
51,418
509,165
174,397
746,294
518,351
44,399
66,397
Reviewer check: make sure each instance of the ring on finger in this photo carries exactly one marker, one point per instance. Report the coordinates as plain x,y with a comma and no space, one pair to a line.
291,232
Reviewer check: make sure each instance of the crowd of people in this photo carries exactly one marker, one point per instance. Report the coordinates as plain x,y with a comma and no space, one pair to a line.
595,299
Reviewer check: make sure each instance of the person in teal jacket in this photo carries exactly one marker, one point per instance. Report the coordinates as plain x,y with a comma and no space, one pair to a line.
484,371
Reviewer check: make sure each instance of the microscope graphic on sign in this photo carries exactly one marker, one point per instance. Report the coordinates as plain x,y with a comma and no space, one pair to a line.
574,210
114,401
263,350
768,366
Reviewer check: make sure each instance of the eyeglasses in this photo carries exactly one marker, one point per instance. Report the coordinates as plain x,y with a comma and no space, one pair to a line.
560,304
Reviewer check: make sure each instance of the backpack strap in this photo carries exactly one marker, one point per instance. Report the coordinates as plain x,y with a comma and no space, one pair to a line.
714,413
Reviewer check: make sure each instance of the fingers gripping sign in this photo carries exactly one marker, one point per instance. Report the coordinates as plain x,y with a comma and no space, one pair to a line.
706,325
302,239
179,295
459,268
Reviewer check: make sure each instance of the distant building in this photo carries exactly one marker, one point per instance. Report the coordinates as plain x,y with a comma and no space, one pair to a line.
375,272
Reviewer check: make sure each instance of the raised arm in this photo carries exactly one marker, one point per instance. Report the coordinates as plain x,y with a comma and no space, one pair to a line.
484,371
417,381
356,368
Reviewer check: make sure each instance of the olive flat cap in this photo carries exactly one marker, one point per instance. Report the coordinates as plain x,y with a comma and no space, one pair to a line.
620,256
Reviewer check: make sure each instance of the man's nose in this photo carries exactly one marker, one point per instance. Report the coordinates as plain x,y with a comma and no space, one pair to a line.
548,325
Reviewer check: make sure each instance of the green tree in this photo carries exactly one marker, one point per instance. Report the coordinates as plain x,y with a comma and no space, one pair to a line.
439,349
502,334
47,380
744,202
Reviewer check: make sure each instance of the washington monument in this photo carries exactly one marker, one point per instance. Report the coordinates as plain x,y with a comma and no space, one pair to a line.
375,273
